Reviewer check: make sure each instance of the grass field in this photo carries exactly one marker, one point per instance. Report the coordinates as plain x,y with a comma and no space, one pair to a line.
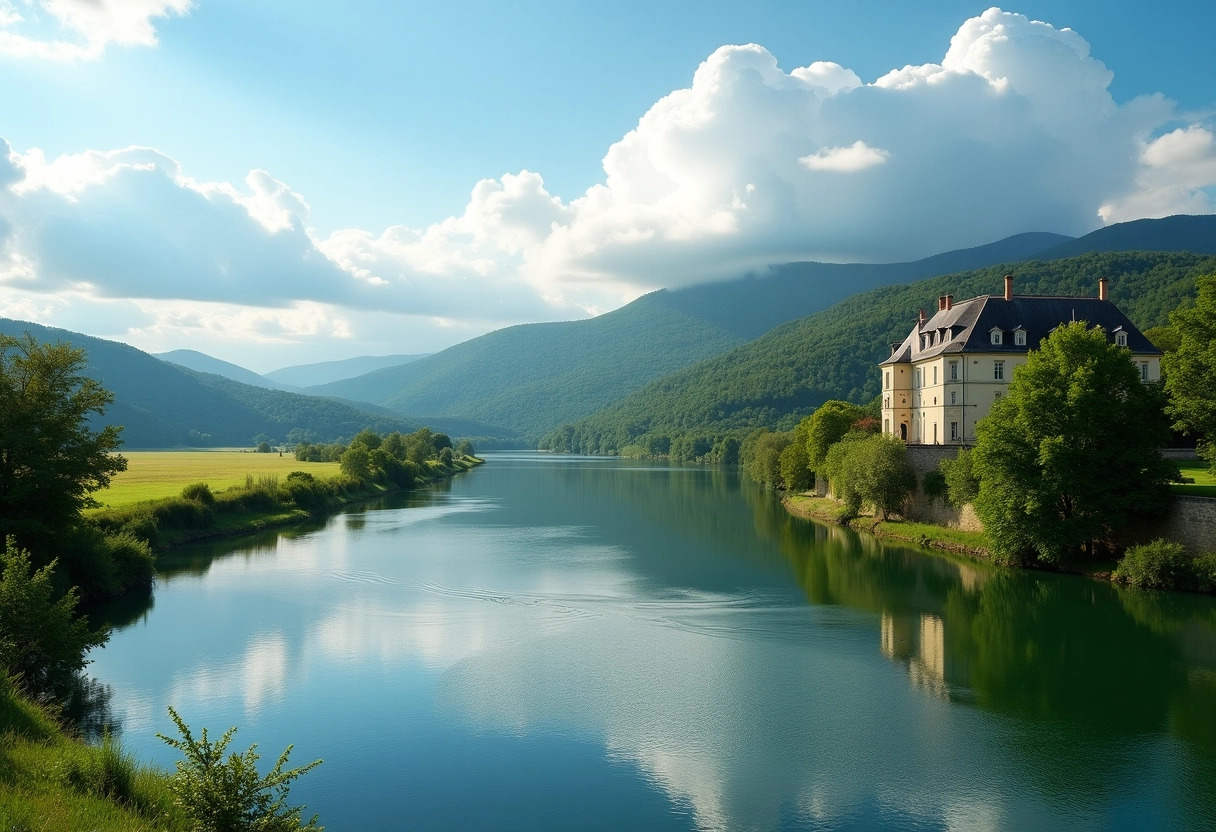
152,475
1205,482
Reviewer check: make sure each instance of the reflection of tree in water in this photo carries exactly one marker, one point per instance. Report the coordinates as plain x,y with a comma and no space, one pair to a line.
1089,670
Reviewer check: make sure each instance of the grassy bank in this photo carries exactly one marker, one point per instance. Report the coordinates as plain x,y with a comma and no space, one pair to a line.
922,534
50,780
157,475
1204,484
214,495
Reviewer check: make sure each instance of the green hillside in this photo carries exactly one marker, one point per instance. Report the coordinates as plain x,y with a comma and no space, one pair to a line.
162,405
776,380
534,377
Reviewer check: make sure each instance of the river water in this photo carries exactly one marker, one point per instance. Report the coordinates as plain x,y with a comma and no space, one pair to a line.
564,643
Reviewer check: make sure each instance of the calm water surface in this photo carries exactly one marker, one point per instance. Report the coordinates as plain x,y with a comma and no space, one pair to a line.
553,643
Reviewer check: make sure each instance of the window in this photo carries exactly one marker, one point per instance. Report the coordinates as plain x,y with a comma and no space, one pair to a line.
935,433
998,370
1121,339
953,397
997,336
1144,371
954,431
886,425
935,375
887,403
918,377
954,371
886,380
1019,338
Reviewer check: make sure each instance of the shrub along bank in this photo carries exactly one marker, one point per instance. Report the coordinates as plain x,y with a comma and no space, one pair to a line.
369,469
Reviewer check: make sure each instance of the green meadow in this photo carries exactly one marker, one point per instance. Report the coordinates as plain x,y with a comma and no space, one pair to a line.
155,475
1205,481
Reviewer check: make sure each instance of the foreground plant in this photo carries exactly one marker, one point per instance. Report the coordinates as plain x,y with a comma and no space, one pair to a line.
228,795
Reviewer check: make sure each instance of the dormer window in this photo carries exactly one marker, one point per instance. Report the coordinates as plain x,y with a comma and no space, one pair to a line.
997,334
1121,339
1019,337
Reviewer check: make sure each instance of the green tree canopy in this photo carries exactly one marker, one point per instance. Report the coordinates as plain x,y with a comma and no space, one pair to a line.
51,459
828,425
1190,368
42,641
1072,453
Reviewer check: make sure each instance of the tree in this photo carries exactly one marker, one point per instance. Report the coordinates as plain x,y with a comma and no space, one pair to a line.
1072,453
795,470
828,425
961,485
51,459
870,469
357,462
42,641
229,795
1190,368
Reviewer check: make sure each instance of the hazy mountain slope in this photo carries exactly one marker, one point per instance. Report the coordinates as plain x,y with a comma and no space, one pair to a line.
534,377
750,307
324,372
1195,234
780,377
203,363
162,405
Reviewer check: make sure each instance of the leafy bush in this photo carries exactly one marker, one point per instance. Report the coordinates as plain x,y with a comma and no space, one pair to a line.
962,486
42,642
199,492
934,485
1161,564
229,795
1204,568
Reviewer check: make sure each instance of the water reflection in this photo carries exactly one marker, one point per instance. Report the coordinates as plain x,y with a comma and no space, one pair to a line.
757,670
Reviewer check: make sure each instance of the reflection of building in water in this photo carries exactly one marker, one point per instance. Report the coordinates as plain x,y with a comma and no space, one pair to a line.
920,642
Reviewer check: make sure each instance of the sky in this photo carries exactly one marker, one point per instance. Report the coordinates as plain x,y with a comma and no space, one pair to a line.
277,184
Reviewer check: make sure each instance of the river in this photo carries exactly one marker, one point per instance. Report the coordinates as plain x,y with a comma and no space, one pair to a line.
566,643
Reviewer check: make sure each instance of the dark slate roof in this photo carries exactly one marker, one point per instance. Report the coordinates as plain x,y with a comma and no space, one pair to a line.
967,325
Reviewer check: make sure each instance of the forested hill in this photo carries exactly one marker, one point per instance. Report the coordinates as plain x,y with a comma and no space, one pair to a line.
161,405
777,379
750,307
534,377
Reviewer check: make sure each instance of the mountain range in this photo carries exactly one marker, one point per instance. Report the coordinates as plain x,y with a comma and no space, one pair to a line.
518,384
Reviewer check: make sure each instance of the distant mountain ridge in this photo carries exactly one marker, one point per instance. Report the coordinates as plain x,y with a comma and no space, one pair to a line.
203,363
776,379
533,377
163,405
323,372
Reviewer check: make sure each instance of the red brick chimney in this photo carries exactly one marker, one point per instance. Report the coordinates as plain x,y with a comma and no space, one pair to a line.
922,316
949,302
941,303
1102,287
1008,287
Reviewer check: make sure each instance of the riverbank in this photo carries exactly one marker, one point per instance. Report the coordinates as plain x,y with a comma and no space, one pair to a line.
930,536
260,504
51,780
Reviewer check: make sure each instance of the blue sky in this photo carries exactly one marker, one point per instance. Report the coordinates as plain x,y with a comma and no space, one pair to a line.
374,123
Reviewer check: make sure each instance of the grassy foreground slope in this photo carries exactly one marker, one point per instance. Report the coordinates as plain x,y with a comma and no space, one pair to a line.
777,379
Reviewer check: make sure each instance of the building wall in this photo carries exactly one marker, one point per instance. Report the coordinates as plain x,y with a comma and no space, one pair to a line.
932,399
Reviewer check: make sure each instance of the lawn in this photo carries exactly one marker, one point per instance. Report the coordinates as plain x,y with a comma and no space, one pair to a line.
1205,482
152,475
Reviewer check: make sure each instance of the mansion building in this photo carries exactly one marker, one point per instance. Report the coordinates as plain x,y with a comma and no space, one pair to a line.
947,373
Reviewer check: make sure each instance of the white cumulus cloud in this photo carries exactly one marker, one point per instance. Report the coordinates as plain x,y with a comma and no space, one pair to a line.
1014,130
855,157
66,30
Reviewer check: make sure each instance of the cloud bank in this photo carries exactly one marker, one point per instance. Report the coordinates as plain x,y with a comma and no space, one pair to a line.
1015,130
70,30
